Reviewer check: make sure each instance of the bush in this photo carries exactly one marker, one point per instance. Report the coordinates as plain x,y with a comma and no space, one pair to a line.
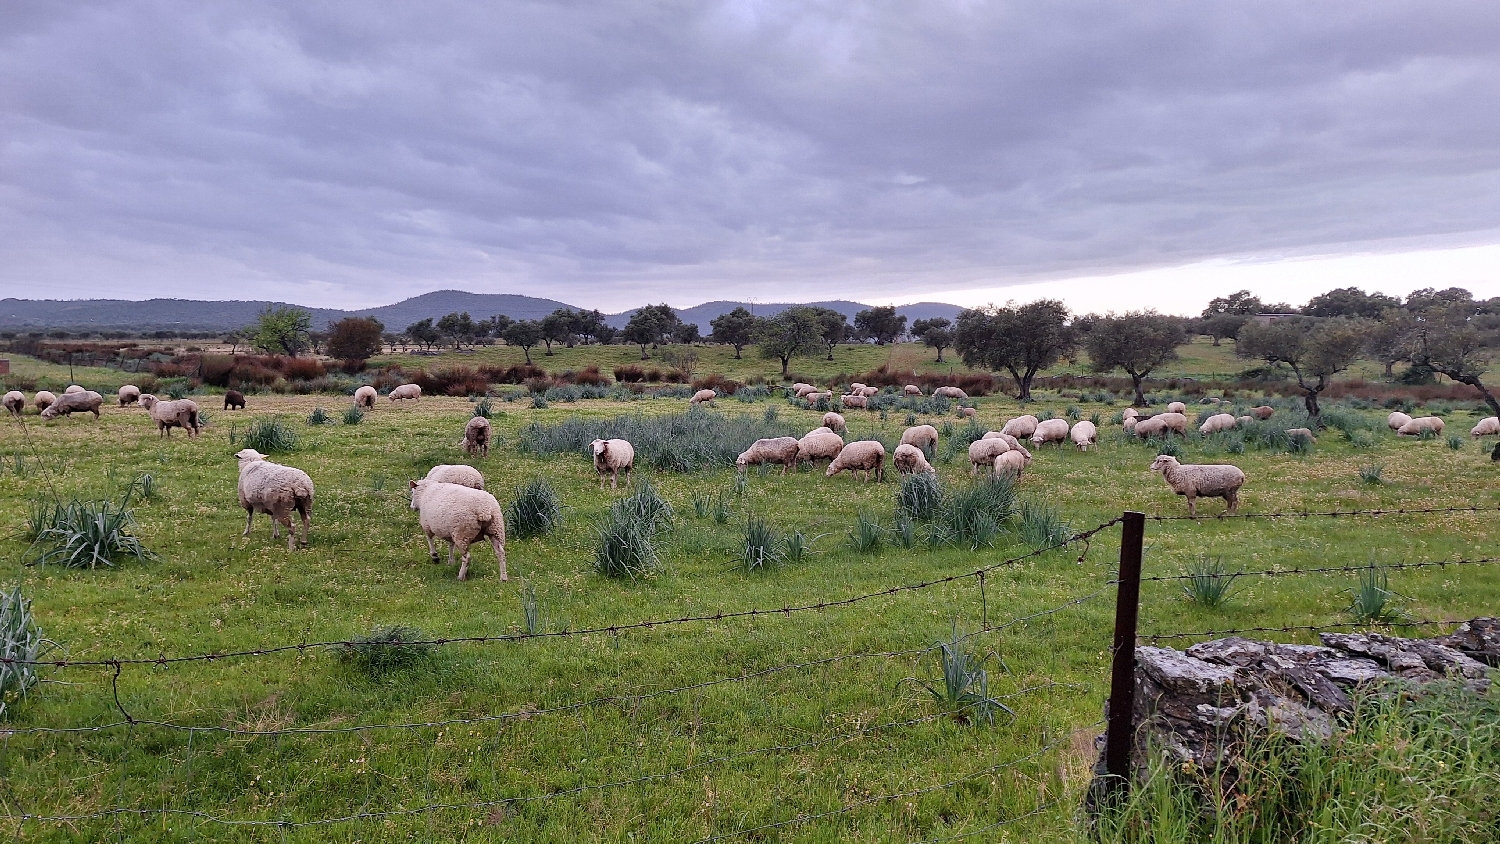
867,535
354,416
920,495
390,648
21,646
1041,526
319,416
536,510
269,435
1209,582
973,515
86,534
762,548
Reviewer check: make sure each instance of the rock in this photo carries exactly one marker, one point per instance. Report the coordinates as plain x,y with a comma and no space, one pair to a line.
1422,660
1479,639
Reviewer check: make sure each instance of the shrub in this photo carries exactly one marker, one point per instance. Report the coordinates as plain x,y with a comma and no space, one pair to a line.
1209,582
21,646
629,374
269,435
1373,601
1370,473
1041,526
762,548
86,534
319,416
538,402
536,510
973,515
920,495
1455,442
390,648
964,692
867,535
484,408
354,416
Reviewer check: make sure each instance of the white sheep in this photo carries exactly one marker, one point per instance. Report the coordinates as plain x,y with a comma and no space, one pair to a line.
1174,421
1129,413
1487,426
815,397
1420,424
1084,434
855,401
1301,434
968,412
44,399
781,450
462,516
476,437
1242,421
275,490
869,392
365,397
911,390
1216,423
802,387
612,457
1153,426
864,456
819,445
15,402
1021,427
405,391
857,387
1201,481
1396,420
950,393
73,388
1263,412
1011,463
1130,423
921,436
908,459
1177,407
456,473
984,452
1013,442
67,404
1050,431
820,430
702,396
834,421
182,413
129,394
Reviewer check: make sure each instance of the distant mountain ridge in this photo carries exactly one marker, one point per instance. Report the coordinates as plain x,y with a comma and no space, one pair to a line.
199,315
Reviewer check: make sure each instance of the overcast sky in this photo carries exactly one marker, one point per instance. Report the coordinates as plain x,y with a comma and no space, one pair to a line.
609,154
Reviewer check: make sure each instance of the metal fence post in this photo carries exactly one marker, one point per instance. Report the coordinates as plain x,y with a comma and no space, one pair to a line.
1120,733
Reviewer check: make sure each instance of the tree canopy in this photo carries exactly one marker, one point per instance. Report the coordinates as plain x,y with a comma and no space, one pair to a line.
1314,349
736,328
282,331
1136,342
525,333
355,338
650,326
882,324
794,331
1021,339
935,333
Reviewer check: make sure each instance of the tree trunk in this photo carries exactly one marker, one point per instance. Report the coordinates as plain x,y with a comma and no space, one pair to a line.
527,350
1473,381
785,363
737,350
1388,365
1310,401
940,354
1140,395
1216,339
643,352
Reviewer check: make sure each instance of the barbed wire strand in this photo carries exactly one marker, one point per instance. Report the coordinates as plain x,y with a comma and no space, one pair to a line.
1306,514
1313,628
1326,570
1041,808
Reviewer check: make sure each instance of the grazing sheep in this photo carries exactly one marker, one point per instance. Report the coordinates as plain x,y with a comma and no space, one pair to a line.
867,456
182,413
1241,421
1396,420
73,388
476,437
1420,424
834,421
462,516
456,473
15,402
950,393
1153,426
1129,413
821,430
365,397
234,400
1009,440
1177,407
984,452
781,450
855,402
801,387
67,404
275,490
869,392
1084,434
921,436
1216,423
1174,421
815,397
856,386
1201,481
1263,412
129,394
1130,423
908,459
1021,426
1011,463
405,391
1487,426
1301,433
43,400
911,390
702,396
819,445
613,457
967,412
1050,431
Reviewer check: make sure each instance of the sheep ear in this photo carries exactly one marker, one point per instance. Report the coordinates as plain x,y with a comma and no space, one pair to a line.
413,484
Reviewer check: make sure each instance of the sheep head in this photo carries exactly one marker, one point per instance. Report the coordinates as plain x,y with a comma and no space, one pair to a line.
248,455
1163,462
600,448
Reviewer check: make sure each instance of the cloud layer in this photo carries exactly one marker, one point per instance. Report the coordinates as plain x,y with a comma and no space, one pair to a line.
616,153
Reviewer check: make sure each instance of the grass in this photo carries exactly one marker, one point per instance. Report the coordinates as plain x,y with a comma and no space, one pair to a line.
1209,582
763,545
353,415
963,692
85,534
394,647
535,511
270,435
21,645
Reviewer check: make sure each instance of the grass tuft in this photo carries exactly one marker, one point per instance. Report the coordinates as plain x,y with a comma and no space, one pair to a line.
867,536
1373,601
21,646
920,495
269,435
973,515
319,416
964,691
484,408
354,416
762,549
395,647
1041,526
85,534
627,535
535,511
1370,473
1209,582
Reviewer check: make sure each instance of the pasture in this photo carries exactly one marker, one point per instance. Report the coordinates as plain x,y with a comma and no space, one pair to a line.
779,726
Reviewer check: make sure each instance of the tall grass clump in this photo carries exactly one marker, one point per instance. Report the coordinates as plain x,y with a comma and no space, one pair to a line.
395,647
1373,602
867,536
627,535
972,516
1209,582
85,534
484,408
536,510
1040,526
762,549
1370,473
270,435
920,495
683,442
531,611
354,415
21,646
964,690
1455,442
319,416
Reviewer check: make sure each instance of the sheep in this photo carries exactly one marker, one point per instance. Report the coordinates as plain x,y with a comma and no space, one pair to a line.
781,450
1021,426
967,412
1050,431
857,388
476,437
950,393
234,400
275,490
1263,412
461,516
128,394
405,391
815,397
15,402
43,400
921,436
820,430
1242,421
73,388
613,457
1011,463
819,445
1487,426
1216,423
1301,433
1174,421
909,459
834,421
1129,413
1009,440
1084,434
365,397
867,456
911,390
1201,481
702,396
1150,427
67,404
1420,424
984,452
456,473
1177,407
1396,420
801,387
1130,423
182,413
869,392
855,401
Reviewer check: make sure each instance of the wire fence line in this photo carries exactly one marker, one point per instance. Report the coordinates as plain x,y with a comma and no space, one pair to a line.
1333,514
1298,628
1478,561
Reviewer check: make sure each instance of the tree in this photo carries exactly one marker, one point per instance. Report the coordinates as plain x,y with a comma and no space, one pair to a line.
355,338
1137,342
1221,326
282,331
686,333
880,324
1390,338
736,328
1240,303
457,326
525,333
1350,302
650,326
495,326
1442,302
1021,339
424,333
557,327
589,325
1316,350
935,333
234,339
1452,342
794,331
833,327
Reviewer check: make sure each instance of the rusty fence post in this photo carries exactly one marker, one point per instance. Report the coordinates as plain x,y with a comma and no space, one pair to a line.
1120,733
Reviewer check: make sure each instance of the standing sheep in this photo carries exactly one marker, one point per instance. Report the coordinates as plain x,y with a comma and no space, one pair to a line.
15,402
234,400
1301,434
476,437
44,400
456,473
1396,420
984,452
1201,481
1420,424
405,391
800,387
1021,427
781,450
1084,434
702,396
1011,463
1263,412
834,422
968,412
921,436
1242,421
129,394
73,388
1174,421
1153,426
1050,431
1487,426
365,397
1216,423
182,413
815,397
462,516
857,388
911,390
1129,413
67,404
950,393
612,457
855,402
819,445
1177,407
275,490
867,456
909,459
869,392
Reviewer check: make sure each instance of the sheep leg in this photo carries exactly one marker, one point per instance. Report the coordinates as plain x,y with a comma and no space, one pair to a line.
291,532
1232,497
499,546
614,479
431,547
249,517
463,565
1192,498
306,522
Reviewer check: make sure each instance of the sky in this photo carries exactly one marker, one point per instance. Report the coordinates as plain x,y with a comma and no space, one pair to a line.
608,154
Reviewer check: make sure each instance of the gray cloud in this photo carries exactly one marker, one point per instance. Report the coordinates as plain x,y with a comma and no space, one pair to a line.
614,153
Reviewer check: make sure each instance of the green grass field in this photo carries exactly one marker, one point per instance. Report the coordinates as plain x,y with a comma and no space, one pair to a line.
674,733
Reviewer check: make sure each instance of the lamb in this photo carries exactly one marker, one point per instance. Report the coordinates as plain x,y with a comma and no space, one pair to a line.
869,392
234,400
1177,407
984,452
67,404
911,390
818,445
1241,421
1420,424
456,473
1084,434
1201,481
781,450
1216,423
365,397
476,437
1263,412
129,394
967,412
275,490
44,400
921,436
1396,420
703,396
461,516
834,421
1050,431
182,413
1021,426
613,457
1301,434
73,388
1011,463
855,401
950,393
15,402
867,456
1487,426
405,391
909,459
